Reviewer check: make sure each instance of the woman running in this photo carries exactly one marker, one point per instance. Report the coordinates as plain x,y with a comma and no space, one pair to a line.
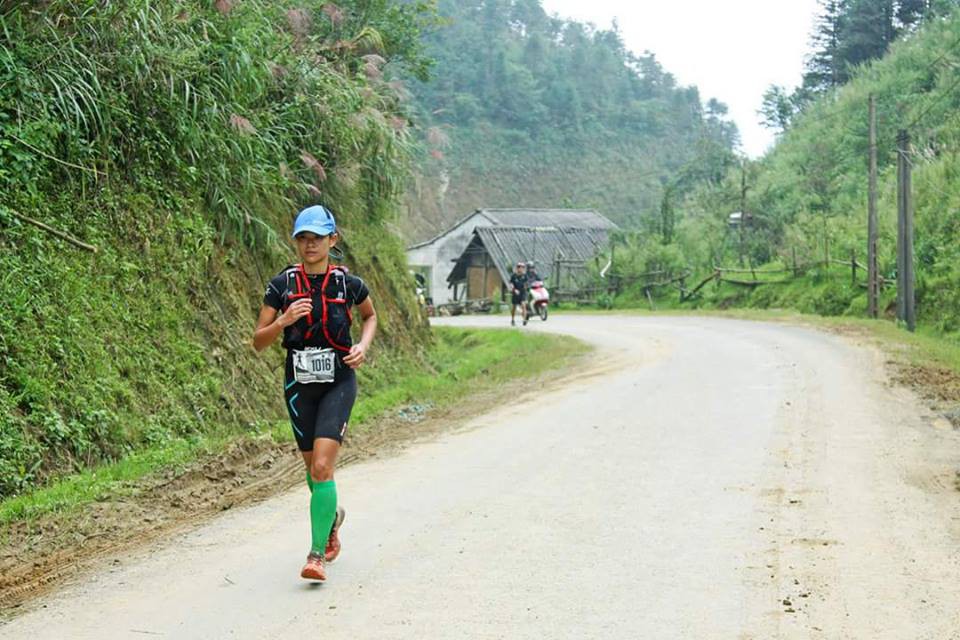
310,304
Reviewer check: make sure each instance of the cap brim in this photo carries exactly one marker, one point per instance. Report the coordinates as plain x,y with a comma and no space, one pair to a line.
318,230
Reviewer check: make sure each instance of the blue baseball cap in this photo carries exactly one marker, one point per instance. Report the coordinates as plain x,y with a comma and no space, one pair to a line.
316,219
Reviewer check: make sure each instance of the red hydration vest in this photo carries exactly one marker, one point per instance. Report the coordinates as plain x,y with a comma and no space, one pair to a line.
335,319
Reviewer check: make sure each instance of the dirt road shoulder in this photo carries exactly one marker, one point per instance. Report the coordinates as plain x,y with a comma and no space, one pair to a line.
40,552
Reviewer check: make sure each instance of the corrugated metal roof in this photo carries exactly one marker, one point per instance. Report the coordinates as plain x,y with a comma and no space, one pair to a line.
543,245
443,233
559,218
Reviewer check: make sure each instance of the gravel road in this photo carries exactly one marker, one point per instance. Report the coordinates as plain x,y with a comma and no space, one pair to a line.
698,478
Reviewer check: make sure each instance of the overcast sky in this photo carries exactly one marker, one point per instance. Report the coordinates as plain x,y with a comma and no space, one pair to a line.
731,49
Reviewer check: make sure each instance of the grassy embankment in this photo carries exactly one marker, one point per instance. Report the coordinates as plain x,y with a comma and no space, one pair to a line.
180,139
458,360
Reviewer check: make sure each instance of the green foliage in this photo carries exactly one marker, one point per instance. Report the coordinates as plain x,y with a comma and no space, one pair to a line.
812,188
638,253
807,197
850,33
180,138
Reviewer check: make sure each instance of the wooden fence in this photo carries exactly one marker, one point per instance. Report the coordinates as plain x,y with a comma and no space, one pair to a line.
572,281
742,277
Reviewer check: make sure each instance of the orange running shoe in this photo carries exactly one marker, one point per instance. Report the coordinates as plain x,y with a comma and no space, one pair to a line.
333,542
313,570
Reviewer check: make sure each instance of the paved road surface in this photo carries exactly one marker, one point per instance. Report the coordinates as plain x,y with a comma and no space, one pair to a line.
701,478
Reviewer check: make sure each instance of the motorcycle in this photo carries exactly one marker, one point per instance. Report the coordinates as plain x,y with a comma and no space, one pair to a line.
539,300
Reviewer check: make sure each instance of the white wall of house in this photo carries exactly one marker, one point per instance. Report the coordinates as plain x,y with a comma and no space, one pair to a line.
435,258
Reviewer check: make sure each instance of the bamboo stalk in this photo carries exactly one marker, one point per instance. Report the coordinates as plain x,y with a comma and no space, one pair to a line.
51,230
94,171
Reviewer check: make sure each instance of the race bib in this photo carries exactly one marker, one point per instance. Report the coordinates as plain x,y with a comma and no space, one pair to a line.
314,365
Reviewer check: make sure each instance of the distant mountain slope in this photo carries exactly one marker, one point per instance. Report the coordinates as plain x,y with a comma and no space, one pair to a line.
527,110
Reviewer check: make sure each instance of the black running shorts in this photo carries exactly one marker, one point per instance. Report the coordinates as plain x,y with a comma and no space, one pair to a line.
320,410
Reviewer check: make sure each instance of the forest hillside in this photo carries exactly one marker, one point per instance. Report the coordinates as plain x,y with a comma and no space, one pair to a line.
525,109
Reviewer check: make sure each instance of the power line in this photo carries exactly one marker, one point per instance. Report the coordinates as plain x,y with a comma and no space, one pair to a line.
951,49
927,181
947,92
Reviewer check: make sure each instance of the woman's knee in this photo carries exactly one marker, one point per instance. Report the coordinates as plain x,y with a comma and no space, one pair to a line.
321,468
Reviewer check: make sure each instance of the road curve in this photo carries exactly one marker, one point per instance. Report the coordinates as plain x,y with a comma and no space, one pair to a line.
699,478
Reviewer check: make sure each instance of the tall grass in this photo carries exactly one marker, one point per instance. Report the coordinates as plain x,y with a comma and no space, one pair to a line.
225,100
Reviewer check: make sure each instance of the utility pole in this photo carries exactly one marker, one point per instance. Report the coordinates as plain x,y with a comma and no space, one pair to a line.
906,303
743,206
873,277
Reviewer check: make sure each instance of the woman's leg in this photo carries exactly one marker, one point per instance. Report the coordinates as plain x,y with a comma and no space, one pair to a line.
332,413
323,497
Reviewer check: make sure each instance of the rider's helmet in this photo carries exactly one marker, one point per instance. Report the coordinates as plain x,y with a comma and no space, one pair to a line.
521,263
530,264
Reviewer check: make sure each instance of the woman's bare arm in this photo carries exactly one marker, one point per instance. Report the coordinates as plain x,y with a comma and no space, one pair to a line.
358,353
271,324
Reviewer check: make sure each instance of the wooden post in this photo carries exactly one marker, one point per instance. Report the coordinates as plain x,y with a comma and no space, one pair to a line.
826,242
873,284
796,269
556,273
853,267
911,299
486,259
901,313
906,307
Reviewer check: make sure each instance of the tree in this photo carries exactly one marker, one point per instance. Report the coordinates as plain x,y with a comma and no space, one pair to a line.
868,30
667,218
911,13
777,109
825,69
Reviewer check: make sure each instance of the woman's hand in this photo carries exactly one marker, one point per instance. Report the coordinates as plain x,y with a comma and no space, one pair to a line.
356,357
294,312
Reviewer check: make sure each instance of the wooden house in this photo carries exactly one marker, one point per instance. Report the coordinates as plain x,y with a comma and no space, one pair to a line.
561,256
435,258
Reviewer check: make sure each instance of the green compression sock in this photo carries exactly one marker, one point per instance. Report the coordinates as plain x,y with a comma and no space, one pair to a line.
310,481
323,510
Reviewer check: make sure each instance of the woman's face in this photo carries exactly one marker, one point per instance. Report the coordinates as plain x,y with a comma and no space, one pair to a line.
313,248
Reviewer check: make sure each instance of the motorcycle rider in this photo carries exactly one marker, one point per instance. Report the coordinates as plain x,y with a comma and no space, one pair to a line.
532,275
518,285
